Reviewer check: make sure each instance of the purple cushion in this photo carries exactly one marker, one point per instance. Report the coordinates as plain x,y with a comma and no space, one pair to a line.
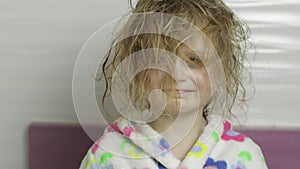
57,146
280,147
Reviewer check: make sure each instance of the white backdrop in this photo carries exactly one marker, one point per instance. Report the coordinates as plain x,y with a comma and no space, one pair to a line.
40,41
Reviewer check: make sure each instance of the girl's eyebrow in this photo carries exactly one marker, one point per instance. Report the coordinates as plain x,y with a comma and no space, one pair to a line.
198,51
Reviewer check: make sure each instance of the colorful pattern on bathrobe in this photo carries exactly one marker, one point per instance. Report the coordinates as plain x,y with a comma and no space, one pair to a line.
127,145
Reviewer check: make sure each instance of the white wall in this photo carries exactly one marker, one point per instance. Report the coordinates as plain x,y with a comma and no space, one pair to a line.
40,41
39,44
276,67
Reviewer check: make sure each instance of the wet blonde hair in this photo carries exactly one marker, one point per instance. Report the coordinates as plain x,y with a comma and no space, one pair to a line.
228,34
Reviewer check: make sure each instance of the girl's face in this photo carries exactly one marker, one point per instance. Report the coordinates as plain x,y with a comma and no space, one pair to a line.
193,88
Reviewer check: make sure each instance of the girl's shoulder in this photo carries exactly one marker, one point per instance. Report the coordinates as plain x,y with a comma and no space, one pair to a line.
236,149
114,149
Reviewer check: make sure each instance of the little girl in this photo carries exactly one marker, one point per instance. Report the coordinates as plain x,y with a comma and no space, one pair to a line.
174,71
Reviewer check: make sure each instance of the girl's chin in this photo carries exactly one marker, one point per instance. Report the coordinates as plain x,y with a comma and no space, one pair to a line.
183,105
182,108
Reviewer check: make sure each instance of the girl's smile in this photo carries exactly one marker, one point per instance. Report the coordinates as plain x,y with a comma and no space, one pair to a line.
183,91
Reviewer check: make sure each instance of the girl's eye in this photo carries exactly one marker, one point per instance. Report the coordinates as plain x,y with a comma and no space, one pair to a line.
194,59
195,62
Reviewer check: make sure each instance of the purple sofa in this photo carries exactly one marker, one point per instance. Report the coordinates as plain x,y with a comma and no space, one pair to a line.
60,146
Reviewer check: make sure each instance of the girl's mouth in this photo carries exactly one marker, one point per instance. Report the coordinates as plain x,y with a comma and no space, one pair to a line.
181,91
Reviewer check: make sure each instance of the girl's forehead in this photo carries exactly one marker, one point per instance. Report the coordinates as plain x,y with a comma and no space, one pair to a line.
196,42
193,44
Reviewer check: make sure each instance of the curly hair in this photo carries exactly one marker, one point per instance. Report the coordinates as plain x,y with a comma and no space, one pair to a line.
228,34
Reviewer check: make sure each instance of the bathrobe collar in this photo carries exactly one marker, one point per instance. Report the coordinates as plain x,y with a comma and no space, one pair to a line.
156,147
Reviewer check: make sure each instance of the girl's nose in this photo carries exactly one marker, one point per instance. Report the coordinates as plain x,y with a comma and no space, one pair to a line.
181,70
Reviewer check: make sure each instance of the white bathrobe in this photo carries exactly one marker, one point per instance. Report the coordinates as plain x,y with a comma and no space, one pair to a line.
127,145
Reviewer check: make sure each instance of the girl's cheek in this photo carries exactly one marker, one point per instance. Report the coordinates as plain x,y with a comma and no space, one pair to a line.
203,82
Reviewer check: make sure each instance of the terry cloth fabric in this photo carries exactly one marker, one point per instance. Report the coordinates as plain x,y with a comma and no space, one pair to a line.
128,145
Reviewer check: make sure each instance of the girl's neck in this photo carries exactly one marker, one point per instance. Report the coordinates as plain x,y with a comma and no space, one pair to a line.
182,133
